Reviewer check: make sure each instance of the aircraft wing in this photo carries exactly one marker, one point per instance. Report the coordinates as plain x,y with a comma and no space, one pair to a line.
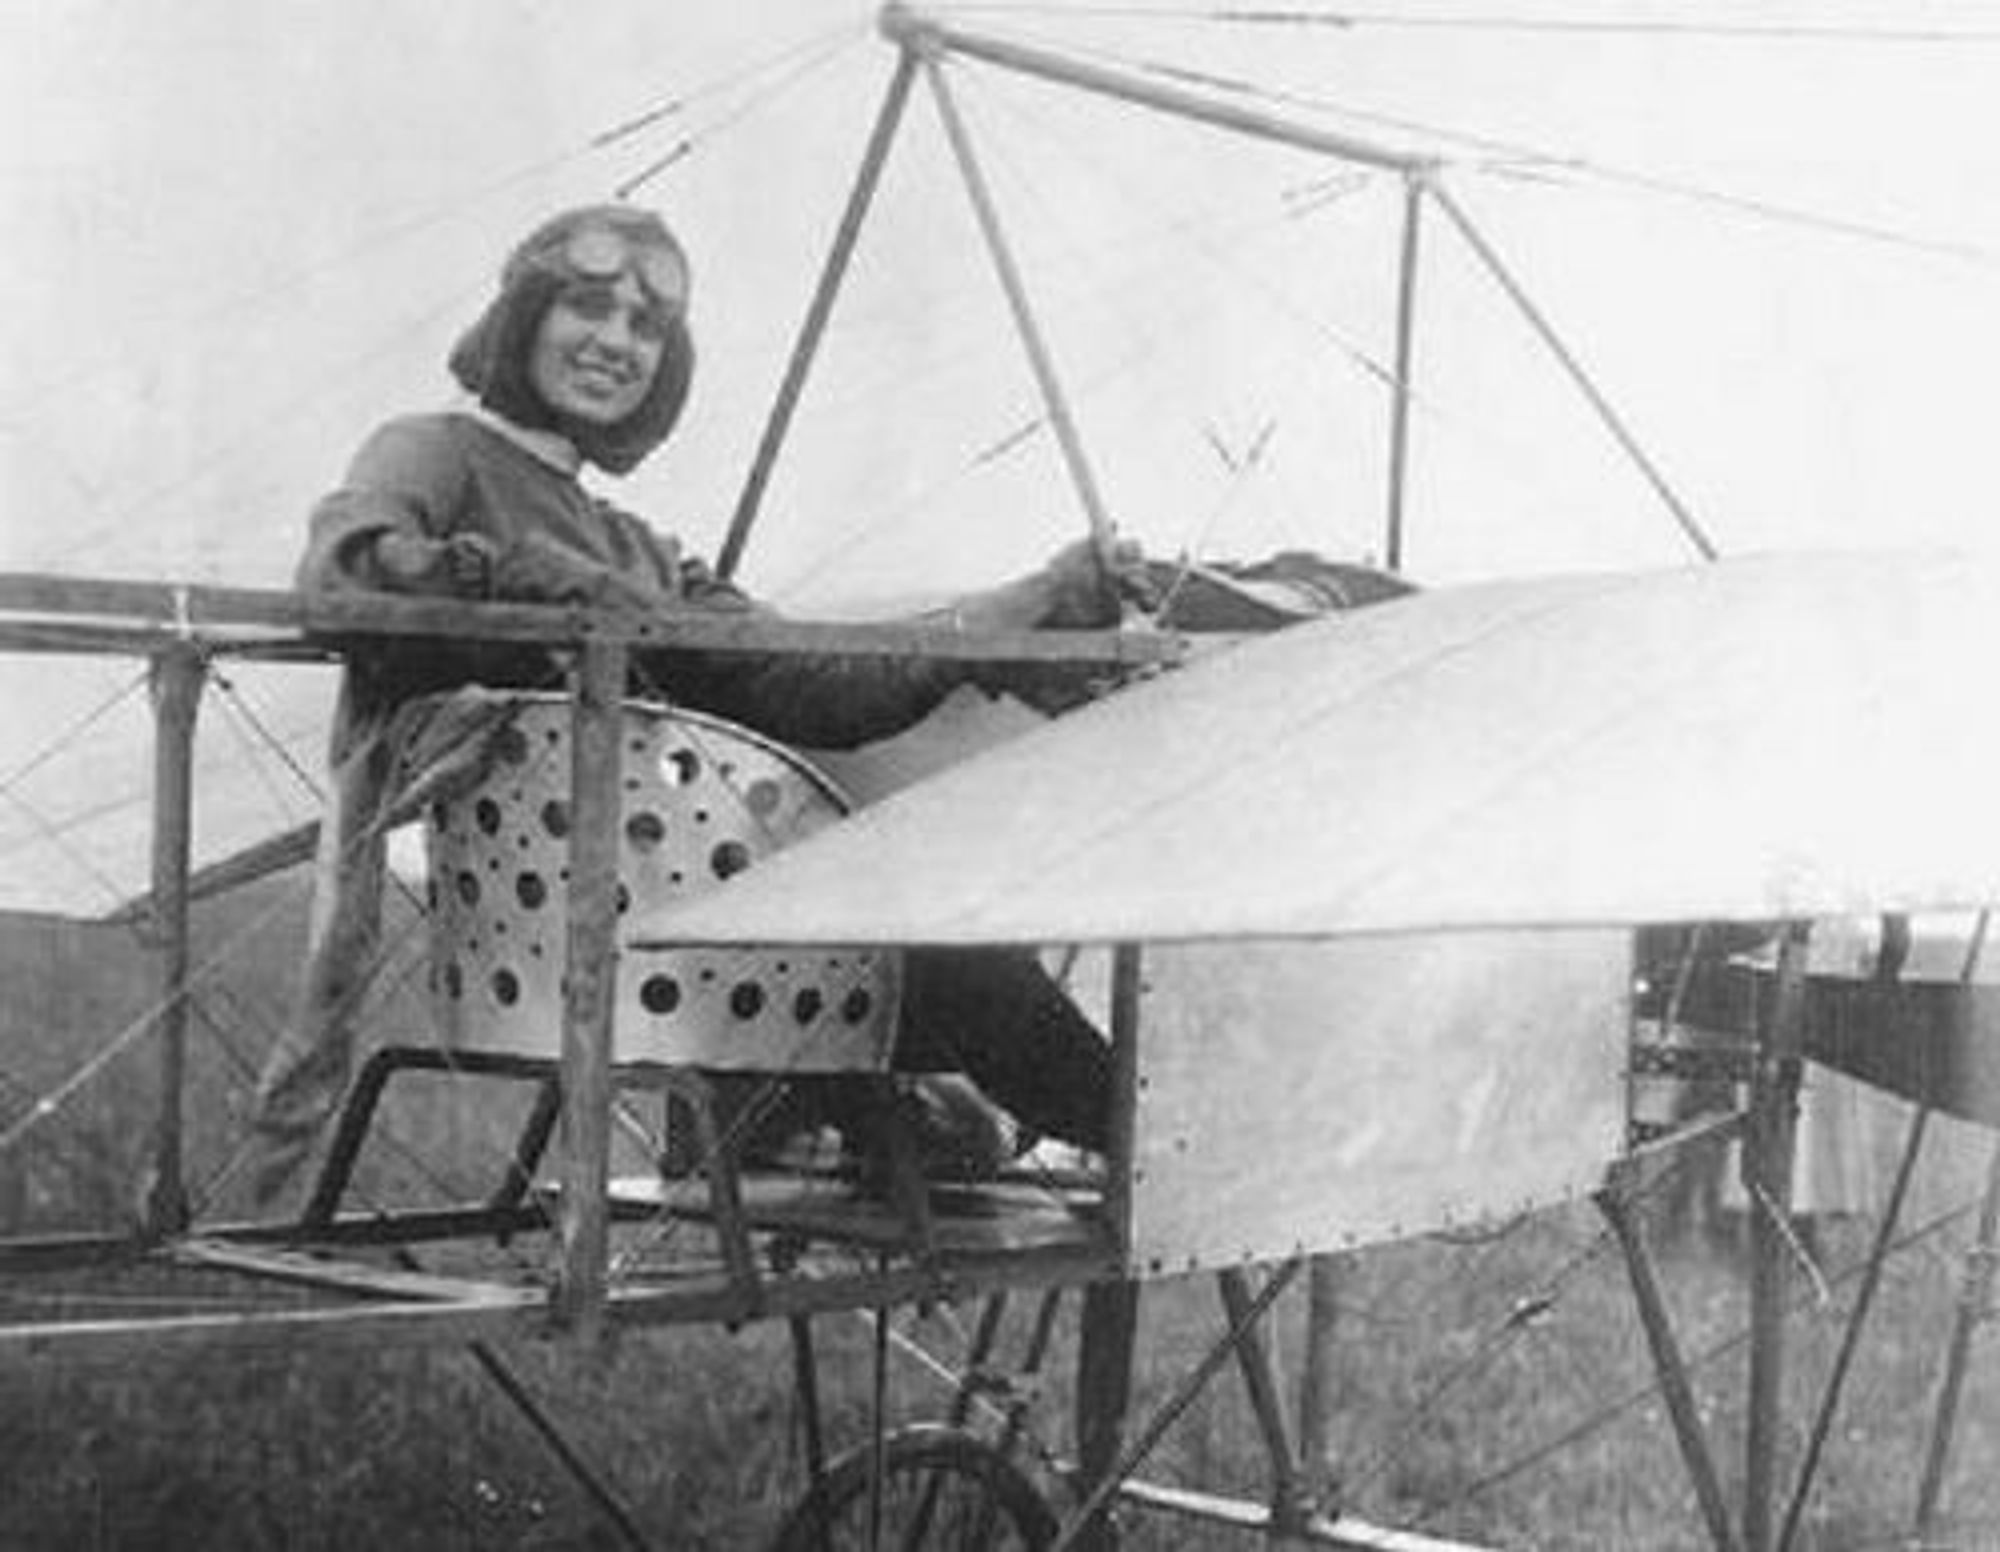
1779,736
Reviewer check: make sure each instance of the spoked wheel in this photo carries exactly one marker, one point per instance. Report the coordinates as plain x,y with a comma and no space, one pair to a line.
941,1490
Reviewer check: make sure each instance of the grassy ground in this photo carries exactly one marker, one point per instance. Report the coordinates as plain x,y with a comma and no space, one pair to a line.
1494,1389
1464,1371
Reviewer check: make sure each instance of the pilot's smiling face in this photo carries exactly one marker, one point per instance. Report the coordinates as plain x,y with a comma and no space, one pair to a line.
597,349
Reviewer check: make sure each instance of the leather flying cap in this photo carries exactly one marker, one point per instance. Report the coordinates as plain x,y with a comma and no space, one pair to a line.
590,244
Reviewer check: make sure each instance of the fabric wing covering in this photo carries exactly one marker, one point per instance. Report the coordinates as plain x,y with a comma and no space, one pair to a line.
1777,736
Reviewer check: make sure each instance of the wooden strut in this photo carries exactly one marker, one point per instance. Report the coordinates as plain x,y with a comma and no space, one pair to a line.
1669,1365
1319,1400
1496,266
908,29
178,675
1110,1310
1292,1508
1767,1159
866,181
1406,329
1974,1296
591,971
1054,401
1088,1531
1850,1342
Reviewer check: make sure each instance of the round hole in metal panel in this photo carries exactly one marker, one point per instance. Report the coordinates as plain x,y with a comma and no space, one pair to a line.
808,1005
555,817
763,797
486,814
468,886
532,890
660,994
857,1005
746,999
645,830
679,767
511,745
506,987
454,980
728,858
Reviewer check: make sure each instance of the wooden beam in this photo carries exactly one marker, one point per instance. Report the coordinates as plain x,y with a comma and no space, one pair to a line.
70,614
1767,1159
909,29
515,1313
178,675
367,1279
1406,336
1103,1395
820,309
590,981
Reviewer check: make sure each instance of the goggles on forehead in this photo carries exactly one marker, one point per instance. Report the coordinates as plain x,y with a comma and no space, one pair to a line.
603,253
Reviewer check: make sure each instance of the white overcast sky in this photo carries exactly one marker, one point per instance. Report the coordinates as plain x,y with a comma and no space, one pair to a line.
237,232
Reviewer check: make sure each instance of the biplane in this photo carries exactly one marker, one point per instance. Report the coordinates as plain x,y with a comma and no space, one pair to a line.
1390,913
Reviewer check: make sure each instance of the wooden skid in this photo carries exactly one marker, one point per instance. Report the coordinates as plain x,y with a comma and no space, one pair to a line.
985,1238
1346,1532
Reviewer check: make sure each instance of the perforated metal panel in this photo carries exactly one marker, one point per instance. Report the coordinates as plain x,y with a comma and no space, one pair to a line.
703,801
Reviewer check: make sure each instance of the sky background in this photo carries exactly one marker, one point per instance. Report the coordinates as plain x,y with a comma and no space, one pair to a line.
239,233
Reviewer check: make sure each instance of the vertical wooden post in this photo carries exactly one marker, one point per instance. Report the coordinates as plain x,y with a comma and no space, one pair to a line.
818,311
1768,1147
1318,1382
1122,1127
1406,329
177,676
1111,1310
1103,1395
1291,1506
589,981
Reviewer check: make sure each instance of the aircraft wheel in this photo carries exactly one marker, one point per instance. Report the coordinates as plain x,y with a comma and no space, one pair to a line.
941,1488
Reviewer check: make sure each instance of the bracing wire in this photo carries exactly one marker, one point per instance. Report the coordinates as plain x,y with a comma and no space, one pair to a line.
257,741
387,344
395,231
1555,165
1347,18
397,340
1219,257
688,144
1521,1315
268,738
676,105
1088,386
48,830
1642,1394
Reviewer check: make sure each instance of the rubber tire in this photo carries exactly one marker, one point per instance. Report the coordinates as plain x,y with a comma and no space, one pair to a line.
971,1471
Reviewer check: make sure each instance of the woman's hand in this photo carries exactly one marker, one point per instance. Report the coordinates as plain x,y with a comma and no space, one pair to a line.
461,566
536,570
1080,587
